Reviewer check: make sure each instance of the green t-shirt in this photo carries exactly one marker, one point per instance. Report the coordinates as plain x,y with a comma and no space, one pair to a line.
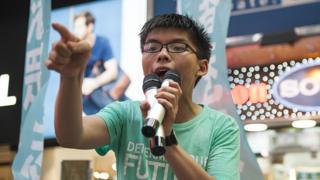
211,138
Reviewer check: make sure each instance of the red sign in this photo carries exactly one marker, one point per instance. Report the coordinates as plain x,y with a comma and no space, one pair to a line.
255,93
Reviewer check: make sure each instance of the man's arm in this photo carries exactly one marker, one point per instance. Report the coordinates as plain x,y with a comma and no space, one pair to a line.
68,57
223,159
73,130
120,87
183,165
110,73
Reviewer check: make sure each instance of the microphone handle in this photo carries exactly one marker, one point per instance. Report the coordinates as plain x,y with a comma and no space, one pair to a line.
157,143
150,96
166,82
157,111
153,120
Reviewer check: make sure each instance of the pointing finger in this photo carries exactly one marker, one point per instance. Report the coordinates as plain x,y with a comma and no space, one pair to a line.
64,32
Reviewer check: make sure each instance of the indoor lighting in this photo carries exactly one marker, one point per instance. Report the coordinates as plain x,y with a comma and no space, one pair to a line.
114,166
255,127
102,175
257,37
304,123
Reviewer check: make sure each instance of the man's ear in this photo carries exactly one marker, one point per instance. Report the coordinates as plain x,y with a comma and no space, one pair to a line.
203,67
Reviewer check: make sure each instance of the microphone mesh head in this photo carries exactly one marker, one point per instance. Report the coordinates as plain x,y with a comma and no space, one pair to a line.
173,75
151,80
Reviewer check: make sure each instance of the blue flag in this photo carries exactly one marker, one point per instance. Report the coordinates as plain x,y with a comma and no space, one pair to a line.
27,163
214,89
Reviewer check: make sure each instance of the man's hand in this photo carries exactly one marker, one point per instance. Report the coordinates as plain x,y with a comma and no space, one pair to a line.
69,55
168,97
144,106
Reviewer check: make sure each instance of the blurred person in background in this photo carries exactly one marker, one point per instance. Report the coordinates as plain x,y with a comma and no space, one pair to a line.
104,80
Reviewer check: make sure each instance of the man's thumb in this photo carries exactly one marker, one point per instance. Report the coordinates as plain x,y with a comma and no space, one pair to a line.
79,47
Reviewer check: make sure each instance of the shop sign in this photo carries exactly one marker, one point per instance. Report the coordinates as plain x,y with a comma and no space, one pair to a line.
255,93
299,87
6,100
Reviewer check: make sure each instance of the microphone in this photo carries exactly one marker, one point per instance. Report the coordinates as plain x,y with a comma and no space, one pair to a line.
157,142
157,111
150,85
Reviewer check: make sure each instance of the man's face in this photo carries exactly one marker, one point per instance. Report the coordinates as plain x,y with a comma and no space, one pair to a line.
186,63
80,27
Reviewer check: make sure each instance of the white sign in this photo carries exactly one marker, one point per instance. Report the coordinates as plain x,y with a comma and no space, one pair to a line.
291,88
6,100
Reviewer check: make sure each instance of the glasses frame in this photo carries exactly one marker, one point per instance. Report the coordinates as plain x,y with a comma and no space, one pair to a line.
166,46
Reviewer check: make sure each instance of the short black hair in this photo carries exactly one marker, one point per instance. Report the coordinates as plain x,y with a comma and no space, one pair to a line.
87,15
195,31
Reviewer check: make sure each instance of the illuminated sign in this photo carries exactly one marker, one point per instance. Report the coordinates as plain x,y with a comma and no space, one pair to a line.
255,93
6,100
299,87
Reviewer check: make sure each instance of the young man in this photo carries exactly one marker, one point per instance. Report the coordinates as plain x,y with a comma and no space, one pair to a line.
208,141
102,75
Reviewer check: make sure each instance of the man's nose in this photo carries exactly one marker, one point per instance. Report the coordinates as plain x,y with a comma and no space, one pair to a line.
163,54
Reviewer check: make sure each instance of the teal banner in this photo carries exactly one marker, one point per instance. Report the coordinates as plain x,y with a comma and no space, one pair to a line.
214,88
27,163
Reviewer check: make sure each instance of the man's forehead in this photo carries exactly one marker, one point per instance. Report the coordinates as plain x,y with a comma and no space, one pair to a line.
168,34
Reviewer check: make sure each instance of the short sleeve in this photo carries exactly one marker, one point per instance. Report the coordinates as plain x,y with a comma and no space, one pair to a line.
107,50
112,117
224,157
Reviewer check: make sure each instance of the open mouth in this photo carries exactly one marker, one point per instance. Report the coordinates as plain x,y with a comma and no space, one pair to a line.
161,72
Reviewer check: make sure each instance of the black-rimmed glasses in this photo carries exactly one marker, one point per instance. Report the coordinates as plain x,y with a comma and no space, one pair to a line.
172,47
